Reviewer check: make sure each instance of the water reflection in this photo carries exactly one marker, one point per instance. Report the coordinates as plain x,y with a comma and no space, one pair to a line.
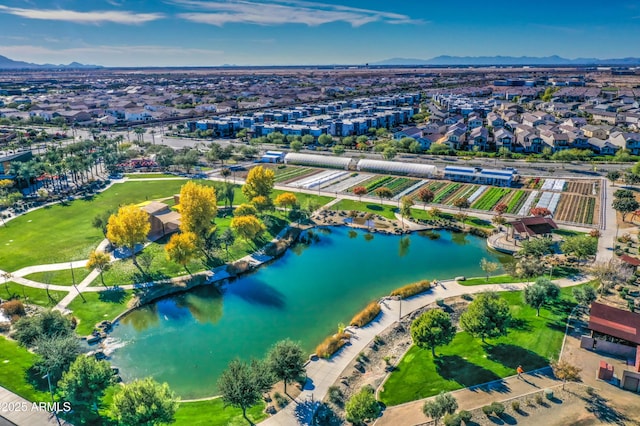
368,236
460,238
143,317
258,292
403,245
205,305
352,234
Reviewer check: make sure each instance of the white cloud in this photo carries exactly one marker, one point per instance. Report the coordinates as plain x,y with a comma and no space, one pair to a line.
277,12
30,51
93,17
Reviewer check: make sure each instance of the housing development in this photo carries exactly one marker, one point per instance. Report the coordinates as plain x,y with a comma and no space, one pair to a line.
320,245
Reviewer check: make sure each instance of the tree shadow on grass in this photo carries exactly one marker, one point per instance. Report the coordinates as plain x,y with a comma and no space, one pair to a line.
139,277
375,207
116,295
560,306
512,356
458,369
520,324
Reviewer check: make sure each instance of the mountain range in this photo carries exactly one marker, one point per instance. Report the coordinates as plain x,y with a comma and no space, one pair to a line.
506,60
10,64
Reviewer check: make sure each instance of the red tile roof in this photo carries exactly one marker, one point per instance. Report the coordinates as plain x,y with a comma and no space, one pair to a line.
615,322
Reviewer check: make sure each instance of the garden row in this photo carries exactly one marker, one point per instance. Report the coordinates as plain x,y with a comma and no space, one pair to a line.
490,198
583,188
289,173
395,184
576,208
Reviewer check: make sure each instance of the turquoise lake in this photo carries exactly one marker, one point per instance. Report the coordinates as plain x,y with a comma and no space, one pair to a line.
188,339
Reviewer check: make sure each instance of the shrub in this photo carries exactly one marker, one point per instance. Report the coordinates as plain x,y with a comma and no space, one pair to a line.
467,297
378,340
412,289
336,396
331,344
13,308
440,302
451,420
465,416
538,398
515,405
497,408
367,315
590,391
487,410
280,400
548,393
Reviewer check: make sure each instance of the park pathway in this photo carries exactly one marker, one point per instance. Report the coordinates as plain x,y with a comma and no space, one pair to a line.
323,373
16,410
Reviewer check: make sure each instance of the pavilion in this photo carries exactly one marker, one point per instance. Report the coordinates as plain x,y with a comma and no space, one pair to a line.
532,227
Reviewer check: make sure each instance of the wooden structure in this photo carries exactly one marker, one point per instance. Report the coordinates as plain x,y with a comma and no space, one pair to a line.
163,220
532,226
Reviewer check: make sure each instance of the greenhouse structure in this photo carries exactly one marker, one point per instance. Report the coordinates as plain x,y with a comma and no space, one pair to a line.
413,169
317,160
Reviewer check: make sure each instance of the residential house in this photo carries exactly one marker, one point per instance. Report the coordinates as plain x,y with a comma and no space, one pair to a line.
503,139
478,139
591,131
494,120
474,121
557,141
531,120
604,147
628,141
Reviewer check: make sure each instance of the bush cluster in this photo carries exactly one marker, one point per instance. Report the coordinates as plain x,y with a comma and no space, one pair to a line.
411,289
331,344
366,315
14,309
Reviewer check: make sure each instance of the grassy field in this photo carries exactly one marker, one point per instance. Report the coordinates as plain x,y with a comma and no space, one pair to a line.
34,296
366,207
14,373
558,272
62,233
531,342
104,305
212,412
59,277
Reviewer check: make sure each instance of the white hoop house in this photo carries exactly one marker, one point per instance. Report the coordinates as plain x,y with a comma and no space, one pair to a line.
317,160
413,169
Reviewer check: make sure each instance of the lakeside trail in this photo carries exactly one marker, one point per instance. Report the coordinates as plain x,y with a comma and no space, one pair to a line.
323,373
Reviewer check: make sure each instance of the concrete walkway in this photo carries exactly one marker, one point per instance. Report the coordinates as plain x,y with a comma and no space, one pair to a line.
325,372
19,411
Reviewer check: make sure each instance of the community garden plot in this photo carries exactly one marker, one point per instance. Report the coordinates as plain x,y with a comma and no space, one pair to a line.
288,174
395,184
348,182
577,208
318,179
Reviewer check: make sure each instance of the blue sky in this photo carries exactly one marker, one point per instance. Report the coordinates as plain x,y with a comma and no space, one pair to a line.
286,32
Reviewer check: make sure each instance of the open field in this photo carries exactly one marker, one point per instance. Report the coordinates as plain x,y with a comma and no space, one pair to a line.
35,296
531,342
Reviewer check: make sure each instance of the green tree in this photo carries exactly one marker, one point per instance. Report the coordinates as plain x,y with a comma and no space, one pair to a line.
296,146
383,192
584,295
487,316
488,267
241,385
83,386
389,153
536,247
437,407
338,150
101,220
624,193
362,406
286,361
228,238
541,292
144,402
325,140
613,176
625,206
308,139
46,324
55,355
580,246
406,203
432,329
128,227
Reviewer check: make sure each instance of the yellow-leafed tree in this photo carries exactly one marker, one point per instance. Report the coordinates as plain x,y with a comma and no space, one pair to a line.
128,227
99,260
182,248
198,209
262,203
247,227
259,182
245,210
286,199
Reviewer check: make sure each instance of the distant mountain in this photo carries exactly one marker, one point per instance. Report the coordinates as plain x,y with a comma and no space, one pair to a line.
506,60
10,64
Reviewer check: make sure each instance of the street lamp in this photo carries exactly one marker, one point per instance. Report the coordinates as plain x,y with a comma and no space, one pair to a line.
399,299
55,412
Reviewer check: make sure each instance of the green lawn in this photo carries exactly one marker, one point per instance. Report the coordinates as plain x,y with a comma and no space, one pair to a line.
558,272
59,277
213,413
568,232
531,342
34,296
15,362
366,207
104,305
62,233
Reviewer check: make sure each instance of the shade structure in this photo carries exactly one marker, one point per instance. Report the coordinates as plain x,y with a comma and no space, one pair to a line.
398,167
317,160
